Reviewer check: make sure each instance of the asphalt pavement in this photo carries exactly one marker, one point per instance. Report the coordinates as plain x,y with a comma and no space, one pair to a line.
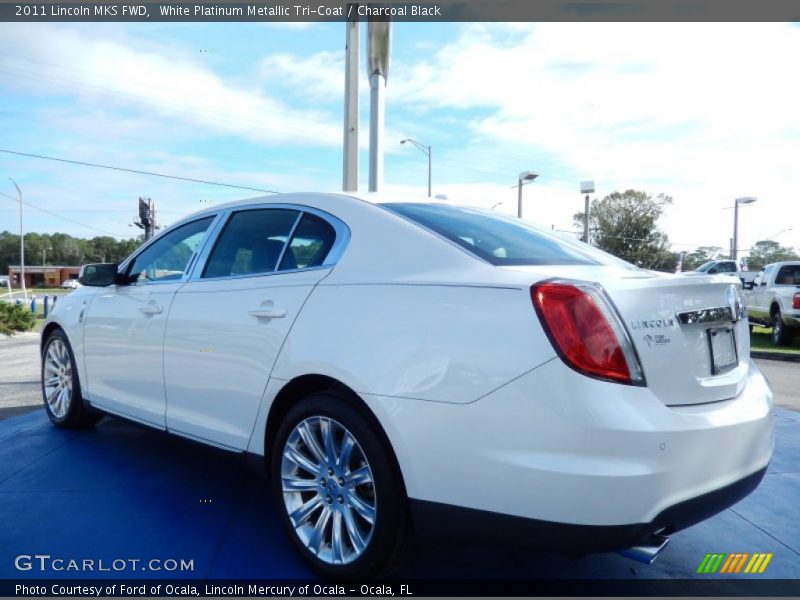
19,374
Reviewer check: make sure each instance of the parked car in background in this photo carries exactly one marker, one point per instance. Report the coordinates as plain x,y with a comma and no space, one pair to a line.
424,367
71,284
773,300
725,267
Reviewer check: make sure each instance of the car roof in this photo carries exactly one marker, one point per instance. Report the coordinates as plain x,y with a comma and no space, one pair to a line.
320,200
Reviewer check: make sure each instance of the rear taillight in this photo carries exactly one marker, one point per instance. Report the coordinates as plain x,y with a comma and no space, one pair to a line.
796,300
586,331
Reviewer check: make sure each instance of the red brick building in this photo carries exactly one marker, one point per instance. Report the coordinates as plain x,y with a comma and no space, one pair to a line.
48,276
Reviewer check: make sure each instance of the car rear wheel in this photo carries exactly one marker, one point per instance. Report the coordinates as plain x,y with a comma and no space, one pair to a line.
61,390
781,334
339,493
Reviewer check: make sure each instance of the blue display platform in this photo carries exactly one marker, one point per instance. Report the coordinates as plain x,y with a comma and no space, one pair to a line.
123,491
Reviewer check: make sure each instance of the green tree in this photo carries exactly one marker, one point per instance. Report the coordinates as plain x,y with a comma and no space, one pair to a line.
625,224
701,255
767,251
63,249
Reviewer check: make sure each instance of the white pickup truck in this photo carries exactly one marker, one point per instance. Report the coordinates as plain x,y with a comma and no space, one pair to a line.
725,267
773,300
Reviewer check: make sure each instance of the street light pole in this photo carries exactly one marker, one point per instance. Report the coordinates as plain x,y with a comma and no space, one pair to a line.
21,244
735,244
426,150
587,187
429,171
524,176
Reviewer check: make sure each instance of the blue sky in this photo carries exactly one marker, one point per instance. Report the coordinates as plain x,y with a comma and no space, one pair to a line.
702,112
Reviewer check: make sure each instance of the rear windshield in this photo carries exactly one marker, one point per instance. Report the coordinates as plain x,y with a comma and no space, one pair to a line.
498,239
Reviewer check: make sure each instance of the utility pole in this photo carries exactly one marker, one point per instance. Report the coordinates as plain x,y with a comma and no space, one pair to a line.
378,45
147,218
350,175
21,244
587,187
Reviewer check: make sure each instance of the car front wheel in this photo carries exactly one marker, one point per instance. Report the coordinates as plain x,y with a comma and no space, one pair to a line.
339,493
61,390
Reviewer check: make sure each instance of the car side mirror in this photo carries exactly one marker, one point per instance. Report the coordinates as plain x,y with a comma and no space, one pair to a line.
98,275
748,285
712,270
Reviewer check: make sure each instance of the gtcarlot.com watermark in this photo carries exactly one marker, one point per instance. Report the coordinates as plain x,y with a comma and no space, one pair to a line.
45,563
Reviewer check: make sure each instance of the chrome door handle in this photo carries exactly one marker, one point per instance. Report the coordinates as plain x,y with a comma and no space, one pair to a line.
269,313
151,309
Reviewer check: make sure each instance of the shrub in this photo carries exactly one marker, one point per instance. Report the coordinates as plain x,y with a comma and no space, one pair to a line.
15,317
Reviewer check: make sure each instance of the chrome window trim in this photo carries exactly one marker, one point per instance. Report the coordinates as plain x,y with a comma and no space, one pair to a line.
340,229
215,218
288,241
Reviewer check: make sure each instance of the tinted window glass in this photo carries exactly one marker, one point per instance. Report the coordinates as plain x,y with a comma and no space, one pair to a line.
311,242
726,267
706,266
500,240
251,242
788,275
168,257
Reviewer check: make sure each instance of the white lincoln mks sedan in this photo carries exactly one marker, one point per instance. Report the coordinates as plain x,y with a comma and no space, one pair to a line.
425,368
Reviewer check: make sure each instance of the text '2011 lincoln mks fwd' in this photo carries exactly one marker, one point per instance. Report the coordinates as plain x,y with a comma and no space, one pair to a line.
424,367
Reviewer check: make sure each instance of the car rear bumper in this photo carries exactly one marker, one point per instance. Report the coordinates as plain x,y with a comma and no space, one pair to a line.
562,449
434,522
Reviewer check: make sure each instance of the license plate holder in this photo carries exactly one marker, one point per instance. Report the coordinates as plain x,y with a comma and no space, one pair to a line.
722,345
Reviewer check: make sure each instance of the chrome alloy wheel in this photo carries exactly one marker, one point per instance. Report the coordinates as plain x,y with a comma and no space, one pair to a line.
58,378
328,490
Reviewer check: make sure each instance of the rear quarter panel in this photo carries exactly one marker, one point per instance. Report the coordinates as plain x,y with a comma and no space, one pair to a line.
443,343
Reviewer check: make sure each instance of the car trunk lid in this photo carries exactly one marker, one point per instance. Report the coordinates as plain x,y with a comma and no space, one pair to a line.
688,333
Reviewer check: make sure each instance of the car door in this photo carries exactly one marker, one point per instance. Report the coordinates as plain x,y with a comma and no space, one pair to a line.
228,323
764,292
125,324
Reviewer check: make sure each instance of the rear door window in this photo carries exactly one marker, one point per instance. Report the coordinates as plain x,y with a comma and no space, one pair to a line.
312,240
251,243
788,275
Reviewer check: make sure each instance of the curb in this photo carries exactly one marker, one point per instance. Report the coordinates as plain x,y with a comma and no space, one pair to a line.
775,355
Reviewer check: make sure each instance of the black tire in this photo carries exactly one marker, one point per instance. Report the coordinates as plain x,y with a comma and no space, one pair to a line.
781,334
67,408
385,539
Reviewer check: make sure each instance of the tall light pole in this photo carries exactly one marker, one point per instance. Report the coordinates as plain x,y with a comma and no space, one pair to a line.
21,244
735,244
587,187
426,150
350,154
527,176
378,45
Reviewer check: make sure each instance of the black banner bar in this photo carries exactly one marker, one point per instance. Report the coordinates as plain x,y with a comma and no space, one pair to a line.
132,588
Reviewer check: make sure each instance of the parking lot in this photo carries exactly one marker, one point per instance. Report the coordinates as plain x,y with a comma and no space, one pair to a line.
122,490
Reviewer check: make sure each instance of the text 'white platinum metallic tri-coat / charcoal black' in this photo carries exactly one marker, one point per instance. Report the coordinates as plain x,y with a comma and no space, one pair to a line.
420,367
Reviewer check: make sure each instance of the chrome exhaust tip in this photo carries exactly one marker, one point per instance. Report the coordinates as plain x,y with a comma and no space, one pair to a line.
648,551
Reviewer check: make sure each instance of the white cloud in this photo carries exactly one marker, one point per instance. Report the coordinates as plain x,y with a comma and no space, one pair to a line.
166,85
704,112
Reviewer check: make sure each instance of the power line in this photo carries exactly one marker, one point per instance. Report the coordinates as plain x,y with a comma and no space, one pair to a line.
50,212
136,171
